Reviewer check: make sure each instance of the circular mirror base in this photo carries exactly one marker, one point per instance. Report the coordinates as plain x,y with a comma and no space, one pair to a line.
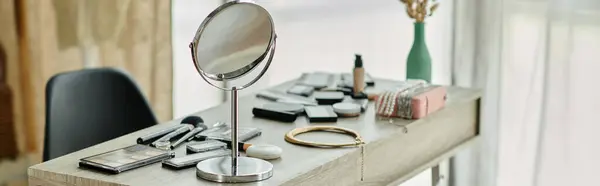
249,170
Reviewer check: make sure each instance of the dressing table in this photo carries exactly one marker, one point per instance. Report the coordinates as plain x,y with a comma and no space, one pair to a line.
394,152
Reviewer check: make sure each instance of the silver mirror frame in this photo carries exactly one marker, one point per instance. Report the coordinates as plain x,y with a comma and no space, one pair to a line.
243,169
236,73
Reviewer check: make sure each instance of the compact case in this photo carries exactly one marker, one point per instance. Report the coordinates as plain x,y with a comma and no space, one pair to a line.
301,90
427,101
203,146
285,107
363,103
328,98
193,159
127,158
272,114
317,80
285,112
224,134
346,109
323,113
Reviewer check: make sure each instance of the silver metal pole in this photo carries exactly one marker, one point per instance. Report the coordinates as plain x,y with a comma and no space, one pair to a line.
252,169
234,130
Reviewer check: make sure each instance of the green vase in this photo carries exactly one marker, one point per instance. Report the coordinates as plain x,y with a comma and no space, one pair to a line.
418,64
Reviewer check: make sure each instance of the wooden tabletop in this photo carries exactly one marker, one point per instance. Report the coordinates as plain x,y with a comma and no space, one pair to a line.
394,152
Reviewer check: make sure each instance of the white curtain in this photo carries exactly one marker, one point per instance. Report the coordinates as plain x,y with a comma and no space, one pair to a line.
537,61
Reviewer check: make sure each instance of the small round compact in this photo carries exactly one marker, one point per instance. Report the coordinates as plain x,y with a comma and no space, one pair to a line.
264,151
346,109
285,107
164,145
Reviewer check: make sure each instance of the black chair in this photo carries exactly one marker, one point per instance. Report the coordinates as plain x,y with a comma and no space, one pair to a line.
91,106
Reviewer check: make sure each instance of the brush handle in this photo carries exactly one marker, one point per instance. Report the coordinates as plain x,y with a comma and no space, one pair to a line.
147,138
189,135
184,128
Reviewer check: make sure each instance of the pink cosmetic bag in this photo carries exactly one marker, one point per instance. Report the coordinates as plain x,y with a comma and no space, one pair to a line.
428,101
414,101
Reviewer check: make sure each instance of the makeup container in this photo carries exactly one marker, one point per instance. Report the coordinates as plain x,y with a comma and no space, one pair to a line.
349,76
322,113
328,98
203,146
191,160
224,133
346,109
364,103
301,90
261,151
286,107
358,74
411,103
272,114
163,145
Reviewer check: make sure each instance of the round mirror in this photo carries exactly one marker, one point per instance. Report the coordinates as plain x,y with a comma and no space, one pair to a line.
232,41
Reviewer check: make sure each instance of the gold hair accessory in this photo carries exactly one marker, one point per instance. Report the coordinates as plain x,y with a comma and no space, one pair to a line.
358,142
291,137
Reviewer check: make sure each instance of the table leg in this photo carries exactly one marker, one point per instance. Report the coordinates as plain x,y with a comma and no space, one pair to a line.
435,175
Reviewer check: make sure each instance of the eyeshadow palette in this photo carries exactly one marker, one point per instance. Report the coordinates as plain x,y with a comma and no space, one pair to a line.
321,114
124,159
328,98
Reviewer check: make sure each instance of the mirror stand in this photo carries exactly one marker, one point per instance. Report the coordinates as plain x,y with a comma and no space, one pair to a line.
235,168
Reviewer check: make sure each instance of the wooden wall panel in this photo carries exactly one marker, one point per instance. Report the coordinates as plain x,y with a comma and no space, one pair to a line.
9,40
43,55
162,88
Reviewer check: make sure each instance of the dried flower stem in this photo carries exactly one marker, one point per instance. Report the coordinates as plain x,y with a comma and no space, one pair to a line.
418,9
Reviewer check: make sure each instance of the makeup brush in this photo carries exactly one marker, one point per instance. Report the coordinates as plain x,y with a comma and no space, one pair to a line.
199,126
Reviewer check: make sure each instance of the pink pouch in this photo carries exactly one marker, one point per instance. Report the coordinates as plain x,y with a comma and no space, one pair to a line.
428,102
415,102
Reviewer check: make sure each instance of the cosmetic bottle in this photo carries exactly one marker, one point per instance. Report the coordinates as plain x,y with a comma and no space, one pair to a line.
358,88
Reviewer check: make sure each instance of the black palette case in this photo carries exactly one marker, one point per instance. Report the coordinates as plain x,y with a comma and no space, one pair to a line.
321,114
124,159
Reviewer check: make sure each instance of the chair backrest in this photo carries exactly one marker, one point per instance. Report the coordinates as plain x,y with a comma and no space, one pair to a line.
90,106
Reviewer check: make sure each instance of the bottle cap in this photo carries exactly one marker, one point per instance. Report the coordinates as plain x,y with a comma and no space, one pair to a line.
358,63
360,95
